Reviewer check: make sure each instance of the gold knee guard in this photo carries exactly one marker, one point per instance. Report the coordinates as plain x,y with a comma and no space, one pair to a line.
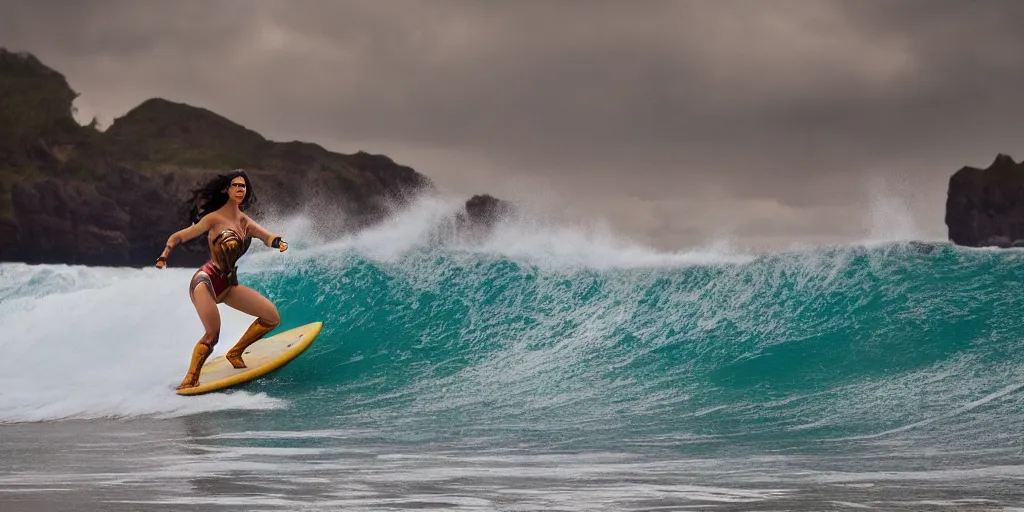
256,330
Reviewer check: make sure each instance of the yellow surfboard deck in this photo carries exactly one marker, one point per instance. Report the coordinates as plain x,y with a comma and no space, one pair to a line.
262,357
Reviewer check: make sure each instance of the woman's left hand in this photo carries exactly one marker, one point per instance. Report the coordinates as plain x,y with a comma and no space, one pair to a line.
278,243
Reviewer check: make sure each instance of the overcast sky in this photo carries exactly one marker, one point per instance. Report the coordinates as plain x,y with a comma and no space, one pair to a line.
767,120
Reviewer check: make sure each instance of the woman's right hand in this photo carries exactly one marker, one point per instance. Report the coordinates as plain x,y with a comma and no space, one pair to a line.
161,262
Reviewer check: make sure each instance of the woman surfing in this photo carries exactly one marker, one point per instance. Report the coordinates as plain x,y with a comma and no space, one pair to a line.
217,210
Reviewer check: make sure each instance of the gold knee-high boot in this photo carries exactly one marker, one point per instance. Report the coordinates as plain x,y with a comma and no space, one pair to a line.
256,330
199,354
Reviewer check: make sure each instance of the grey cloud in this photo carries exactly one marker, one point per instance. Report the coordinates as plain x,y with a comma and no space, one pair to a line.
788,100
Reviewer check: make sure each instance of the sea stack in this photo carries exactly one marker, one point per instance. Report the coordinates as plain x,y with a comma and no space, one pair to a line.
985,207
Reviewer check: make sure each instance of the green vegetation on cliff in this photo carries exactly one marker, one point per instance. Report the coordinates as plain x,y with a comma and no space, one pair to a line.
163,133
35,104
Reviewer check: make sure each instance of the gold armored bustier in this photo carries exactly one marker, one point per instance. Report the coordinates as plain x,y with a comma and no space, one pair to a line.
226,248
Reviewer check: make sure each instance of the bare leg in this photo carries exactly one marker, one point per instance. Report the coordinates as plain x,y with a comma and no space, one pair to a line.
250,302
206,306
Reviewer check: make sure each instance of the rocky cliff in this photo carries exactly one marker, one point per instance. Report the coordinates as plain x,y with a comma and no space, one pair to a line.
985,207
73,194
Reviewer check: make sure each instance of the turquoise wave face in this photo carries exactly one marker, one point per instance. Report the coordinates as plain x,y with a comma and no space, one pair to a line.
901,343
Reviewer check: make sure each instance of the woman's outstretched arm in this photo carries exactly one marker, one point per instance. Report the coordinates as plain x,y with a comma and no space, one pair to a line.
269,239
183,236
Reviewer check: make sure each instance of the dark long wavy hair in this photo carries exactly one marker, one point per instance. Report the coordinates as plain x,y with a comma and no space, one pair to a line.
213,194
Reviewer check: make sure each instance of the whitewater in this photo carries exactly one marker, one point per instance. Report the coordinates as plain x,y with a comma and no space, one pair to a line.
538,366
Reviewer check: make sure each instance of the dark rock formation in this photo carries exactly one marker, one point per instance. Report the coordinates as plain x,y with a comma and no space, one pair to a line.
72,194
985,207
483,211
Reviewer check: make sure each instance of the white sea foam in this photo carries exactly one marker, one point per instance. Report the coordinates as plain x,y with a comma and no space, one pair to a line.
100,342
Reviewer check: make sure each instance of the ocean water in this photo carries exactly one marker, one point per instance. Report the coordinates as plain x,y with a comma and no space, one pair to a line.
539,368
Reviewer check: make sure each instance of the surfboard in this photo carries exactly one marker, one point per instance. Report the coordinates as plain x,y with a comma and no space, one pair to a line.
262,357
